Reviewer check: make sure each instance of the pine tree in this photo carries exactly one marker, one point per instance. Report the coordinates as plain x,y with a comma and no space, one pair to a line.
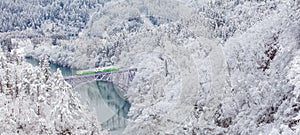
9,83
1,83
44,65
3,63
26,84
68,114
16,84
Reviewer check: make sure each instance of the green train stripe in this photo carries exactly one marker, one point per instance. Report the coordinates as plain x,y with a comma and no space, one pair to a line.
96,71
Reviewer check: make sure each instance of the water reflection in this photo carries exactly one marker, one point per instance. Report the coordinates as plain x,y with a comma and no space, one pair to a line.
110,107
115,102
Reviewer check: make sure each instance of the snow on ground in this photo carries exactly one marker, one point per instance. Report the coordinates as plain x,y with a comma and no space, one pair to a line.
174,76
199,75
218,69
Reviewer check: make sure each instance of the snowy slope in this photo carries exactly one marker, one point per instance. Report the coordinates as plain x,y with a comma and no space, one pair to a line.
34,101
204,67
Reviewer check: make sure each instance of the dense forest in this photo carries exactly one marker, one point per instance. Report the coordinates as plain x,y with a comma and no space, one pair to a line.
204,67
34,101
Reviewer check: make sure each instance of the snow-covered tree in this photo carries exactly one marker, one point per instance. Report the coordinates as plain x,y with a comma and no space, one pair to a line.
33,101
68,115
204,67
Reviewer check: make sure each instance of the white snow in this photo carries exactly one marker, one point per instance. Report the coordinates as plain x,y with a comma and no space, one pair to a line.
204,66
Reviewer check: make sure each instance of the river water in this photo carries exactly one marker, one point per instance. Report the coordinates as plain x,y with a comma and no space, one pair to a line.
101,96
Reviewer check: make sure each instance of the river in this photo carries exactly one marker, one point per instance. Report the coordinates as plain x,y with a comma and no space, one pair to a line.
101,96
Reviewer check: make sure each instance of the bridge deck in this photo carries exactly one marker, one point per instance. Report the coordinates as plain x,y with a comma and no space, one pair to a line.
120,78
100,73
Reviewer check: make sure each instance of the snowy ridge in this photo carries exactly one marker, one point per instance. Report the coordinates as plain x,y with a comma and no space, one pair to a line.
204,67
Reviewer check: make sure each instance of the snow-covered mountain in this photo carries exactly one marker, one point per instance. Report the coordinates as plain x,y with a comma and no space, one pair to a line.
204,67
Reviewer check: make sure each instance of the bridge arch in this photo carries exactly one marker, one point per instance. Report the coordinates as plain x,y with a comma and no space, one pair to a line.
120,78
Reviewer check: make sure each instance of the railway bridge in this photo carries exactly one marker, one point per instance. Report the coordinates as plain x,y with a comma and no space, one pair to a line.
120,78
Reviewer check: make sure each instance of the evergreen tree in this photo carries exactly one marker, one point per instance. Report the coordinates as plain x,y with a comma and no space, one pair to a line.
68,113
44,65
9,82
40,103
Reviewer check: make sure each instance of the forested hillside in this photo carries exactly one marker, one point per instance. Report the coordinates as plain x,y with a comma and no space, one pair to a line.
33,101
66,16
204,66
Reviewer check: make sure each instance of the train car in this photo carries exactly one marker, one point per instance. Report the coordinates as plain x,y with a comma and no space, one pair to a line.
96,70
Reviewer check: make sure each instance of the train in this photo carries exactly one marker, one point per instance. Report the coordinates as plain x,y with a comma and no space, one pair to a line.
96,70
